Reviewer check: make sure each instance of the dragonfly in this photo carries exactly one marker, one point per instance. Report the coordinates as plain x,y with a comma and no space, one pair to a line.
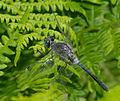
64,51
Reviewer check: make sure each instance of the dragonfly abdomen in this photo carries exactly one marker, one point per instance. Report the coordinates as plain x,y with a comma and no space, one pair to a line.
93,76
73,58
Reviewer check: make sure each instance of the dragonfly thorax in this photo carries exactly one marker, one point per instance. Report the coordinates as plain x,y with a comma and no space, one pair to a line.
61,49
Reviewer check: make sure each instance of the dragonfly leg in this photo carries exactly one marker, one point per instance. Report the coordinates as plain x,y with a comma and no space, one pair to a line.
52,56
51,60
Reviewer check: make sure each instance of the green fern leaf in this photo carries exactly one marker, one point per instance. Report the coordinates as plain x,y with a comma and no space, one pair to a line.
25,16
3,66
106,40
4,59
1,73
23,41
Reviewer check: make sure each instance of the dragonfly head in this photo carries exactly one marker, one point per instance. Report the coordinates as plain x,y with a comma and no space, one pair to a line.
48,41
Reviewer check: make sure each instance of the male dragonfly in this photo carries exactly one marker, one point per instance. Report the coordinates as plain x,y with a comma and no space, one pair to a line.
64,51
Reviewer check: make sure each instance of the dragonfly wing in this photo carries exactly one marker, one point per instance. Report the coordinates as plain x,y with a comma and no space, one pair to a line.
67,35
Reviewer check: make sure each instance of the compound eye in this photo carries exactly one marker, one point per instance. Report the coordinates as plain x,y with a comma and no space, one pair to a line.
52,39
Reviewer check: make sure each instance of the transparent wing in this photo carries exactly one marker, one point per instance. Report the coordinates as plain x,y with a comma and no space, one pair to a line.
67,35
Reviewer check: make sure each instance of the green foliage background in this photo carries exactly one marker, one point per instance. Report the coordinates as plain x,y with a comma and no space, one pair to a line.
94,27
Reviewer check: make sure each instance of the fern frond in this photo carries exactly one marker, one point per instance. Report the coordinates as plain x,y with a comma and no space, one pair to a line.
9,18
51,94
22,42
105,37
43,17
35,79
116,37
9,8
30,26
10,86
4,49
37,47
25,27
68,5
91,53
49,17
89,49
